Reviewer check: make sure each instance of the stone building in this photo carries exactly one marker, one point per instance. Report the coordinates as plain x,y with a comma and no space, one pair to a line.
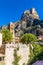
23,52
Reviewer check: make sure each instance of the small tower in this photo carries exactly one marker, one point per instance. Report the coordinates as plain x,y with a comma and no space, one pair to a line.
0,39
11,28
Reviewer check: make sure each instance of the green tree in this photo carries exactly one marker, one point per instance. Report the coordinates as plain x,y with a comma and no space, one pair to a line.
21,33
16,57
6,36
36,53
28,38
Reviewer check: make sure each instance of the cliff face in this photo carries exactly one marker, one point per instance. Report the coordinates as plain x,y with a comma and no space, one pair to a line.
28,14
28,19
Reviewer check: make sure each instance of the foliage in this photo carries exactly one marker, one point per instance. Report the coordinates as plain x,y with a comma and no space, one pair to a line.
6,36
16,57
28,38
21,33
36,53
23,63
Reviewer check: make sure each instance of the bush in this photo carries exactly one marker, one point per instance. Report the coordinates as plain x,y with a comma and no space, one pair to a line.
36,53
28,38
16,57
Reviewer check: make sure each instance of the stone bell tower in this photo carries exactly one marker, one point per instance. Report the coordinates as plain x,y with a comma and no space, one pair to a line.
11,28
0,39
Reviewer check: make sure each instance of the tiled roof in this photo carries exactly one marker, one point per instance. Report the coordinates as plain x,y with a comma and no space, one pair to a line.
38,63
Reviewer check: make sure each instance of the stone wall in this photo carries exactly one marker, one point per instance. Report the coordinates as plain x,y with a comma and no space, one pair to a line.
23,52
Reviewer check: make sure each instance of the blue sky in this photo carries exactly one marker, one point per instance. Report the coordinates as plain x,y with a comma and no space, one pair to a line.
11,10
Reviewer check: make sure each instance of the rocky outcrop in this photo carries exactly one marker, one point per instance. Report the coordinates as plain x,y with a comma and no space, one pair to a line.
29,19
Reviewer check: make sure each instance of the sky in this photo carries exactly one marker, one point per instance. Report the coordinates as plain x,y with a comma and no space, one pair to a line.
12,10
